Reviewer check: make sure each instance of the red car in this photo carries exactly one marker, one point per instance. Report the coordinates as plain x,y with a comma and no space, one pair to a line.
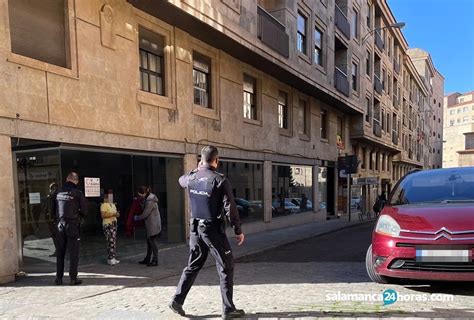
426,229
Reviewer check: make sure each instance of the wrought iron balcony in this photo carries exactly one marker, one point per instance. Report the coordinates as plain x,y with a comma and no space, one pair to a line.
377,84
273,33
341,82
342,23
378,41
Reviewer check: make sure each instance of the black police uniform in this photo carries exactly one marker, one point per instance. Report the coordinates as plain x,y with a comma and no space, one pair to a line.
210,198
70,207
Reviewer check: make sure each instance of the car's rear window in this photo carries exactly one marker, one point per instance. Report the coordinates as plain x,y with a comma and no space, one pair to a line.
453,185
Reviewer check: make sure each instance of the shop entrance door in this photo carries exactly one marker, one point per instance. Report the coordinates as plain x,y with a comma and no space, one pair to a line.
119,172
36,172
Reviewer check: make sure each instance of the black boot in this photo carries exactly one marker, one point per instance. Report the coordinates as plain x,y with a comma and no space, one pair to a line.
177,308
154,263
144,261
236,313
75,282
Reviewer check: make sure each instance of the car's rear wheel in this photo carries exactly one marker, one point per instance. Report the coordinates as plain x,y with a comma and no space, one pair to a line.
369,265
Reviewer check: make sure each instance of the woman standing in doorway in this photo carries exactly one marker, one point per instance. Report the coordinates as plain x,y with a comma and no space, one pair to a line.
109,214
151,216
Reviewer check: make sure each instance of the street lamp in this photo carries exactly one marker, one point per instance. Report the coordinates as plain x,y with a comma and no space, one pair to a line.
398,25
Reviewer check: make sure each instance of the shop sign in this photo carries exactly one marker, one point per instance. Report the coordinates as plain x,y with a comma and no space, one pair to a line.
342,174
35,198
92,187
366,181
339,142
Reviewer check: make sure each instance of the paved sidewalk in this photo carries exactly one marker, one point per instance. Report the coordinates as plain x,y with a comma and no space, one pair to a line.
35,294
174,257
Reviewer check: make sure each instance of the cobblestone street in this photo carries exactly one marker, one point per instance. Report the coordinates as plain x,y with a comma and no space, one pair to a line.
290,281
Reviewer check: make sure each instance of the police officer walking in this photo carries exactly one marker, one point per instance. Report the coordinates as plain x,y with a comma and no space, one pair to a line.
70,207
211,200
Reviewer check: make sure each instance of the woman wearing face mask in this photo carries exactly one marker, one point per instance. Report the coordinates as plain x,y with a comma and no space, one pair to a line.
109,214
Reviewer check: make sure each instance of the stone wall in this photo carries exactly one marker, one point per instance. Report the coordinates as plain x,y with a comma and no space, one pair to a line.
8,235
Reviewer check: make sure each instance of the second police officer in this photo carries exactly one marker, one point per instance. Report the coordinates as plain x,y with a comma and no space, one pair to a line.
211,201
70,208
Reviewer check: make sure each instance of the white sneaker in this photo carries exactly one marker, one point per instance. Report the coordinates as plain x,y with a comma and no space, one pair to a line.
111,262
116,261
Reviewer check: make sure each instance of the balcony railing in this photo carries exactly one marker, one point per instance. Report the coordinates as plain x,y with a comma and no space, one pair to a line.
377,84
378,41
395,137
273,33
341,82
377,128
342,22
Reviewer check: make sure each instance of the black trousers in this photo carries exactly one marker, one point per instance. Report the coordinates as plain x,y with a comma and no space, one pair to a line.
208,238
53,229
151,248
68,238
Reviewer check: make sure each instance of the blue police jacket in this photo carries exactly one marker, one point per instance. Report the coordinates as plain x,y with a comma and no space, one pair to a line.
210,196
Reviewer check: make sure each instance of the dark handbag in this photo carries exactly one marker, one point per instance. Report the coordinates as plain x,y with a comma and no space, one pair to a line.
377,206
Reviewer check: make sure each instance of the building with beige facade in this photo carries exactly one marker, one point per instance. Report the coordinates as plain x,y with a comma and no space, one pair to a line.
431,120
458,130
127,92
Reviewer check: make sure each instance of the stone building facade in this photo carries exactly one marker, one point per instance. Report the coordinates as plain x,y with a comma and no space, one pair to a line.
432,120
458,129
127,92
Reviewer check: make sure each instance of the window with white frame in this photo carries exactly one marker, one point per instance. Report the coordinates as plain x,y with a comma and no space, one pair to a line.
324,124
202,80
301,33
355,24
250,97
354,74
318,46
152,70
368,111
283,113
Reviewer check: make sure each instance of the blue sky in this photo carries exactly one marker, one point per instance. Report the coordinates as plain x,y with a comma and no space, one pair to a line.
444,28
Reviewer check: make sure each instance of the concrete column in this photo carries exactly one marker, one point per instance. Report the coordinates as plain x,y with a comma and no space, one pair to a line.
267,191
316,199
175,203
190,163
8,230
